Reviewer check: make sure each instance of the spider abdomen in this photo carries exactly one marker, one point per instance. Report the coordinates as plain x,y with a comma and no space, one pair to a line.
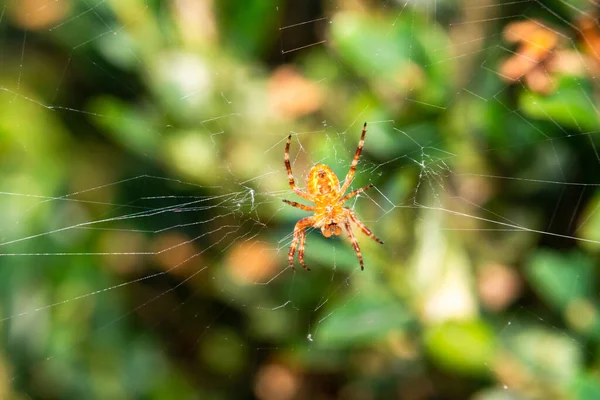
323,183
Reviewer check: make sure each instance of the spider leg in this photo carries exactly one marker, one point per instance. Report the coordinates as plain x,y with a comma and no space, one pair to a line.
354,193
362,226
355,244
301,250
300,206
299,233
288,167
350,174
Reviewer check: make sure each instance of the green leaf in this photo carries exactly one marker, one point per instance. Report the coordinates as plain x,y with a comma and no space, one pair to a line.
548,355
239,24
358,36
571,105
461,346
560,278
362,320
586,387
395,54
126,125
589,226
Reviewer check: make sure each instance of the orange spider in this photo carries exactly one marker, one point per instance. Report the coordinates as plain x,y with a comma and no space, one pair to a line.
324,190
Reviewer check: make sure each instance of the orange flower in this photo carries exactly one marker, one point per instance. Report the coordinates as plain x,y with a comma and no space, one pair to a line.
537,46
251,262
292,95
590,41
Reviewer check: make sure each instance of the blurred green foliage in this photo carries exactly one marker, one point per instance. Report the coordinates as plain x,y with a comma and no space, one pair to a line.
143,239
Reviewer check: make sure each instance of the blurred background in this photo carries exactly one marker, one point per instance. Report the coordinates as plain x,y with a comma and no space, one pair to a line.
143,240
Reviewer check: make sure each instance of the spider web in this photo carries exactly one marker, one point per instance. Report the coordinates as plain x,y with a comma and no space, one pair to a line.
143,242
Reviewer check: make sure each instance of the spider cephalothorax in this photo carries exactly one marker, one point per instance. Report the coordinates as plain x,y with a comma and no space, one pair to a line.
329,212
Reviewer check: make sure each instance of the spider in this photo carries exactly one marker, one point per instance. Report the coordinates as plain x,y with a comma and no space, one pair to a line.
329,212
